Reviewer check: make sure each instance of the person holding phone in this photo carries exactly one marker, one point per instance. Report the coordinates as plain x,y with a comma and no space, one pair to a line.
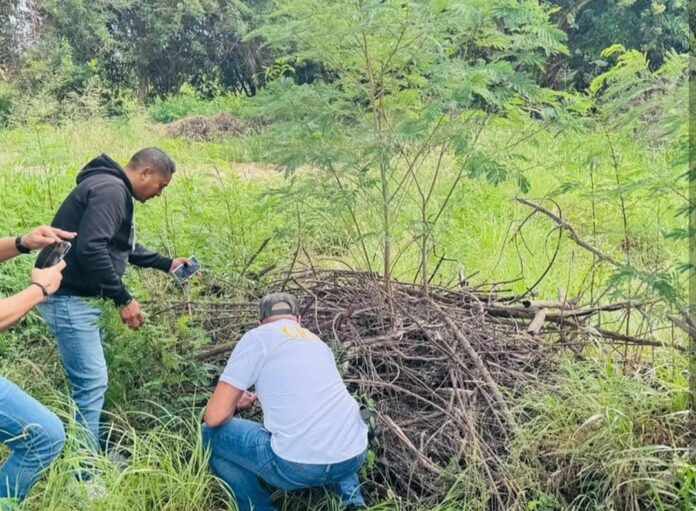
100,209
34,435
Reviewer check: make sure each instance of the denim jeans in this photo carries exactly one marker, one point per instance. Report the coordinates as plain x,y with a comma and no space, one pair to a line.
34,435
241,454
74,323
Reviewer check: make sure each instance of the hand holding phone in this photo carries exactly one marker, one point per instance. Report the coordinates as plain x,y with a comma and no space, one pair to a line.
52,254
186,270
48,278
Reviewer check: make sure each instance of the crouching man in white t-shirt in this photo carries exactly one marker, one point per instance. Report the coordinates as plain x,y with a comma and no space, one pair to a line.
312,432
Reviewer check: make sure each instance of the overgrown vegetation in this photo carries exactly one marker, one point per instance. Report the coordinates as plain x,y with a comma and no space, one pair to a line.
405,131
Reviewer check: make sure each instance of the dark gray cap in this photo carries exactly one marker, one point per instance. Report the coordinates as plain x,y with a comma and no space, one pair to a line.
270,305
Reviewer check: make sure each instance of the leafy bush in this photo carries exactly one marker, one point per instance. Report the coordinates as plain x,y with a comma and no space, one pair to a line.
8,95
188,102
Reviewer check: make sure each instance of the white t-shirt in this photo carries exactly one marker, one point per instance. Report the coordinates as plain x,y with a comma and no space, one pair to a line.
306,407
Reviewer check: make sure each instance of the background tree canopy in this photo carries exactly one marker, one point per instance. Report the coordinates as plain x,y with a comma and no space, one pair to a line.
148,50
649,26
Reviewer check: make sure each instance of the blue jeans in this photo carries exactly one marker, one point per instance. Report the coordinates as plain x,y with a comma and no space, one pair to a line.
75,324
241,454
34,435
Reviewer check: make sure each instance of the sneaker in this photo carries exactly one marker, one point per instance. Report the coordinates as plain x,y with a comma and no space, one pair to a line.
95,489
92,489
118,460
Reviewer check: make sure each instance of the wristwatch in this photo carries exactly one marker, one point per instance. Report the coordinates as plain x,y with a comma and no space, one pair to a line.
21,248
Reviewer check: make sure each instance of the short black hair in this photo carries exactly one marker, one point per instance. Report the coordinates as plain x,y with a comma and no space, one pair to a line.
155,159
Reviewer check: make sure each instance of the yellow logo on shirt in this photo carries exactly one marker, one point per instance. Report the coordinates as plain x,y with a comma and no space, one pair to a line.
297,332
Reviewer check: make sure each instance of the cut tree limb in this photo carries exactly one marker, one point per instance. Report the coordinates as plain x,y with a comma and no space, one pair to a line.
424,460
572,232
217,350
537,322
480,366
689,329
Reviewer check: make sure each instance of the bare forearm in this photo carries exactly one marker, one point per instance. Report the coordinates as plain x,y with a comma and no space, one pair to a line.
16,306
7,249
216,416
222,405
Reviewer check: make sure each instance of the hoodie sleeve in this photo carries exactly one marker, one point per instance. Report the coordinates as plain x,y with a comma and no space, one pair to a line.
106,209
145,258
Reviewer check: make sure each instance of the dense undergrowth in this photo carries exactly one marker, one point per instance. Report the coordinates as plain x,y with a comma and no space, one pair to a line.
610,433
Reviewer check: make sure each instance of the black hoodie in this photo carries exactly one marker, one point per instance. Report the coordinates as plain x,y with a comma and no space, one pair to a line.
100,210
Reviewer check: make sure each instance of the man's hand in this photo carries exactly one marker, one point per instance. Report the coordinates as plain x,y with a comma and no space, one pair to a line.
132,315
49,278
44,236
178,262
246,401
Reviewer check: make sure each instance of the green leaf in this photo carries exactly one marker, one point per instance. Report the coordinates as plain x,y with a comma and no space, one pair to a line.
523,183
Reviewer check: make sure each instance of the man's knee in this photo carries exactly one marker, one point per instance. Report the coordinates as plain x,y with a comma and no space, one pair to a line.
46,440
92,387
102,381
56,438
235,429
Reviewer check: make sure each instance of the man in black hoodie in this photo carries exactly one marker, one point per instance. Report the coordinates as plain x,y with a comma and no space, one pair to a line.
100,210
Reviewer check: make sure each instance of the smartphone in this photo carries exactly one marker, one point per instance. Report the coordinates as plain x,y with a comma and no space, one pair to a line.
186,271
52,254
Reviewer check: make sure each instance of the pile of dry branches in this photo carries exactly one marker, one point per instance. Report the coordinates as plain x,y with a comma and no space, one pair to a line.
199,127
437,367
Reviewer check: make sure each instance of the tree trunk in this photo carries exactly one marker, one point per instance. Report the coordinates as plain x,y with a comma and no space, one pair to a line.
143,88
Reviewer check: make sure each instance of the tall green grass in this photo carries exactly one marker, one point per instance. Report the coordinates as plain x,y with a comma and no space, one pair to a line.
598,437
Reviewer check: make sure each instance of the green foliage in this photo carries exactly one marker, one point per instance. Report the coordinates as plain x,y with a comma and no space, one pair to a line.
8,96
155,362
410,84
12,22
651,27
543,502
612,440
154,47
149,50
190,102
58,87
167,469
635,105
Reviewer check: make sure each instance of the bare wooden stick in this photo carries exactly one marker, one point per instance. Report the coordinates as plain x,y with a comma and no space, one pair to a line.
255,255
537,322
683,325
471,352
425,461
572,232
217,350
633,340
